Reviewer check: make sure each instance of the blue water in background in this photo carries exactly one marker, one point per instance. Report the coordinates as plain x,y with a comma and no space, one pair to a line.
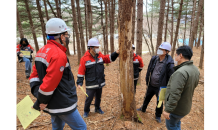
187,41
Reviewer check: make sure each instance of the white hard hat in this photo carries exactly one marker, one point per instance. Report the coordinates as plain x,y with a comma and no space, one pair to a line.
93,42
56,26
133,46
165,46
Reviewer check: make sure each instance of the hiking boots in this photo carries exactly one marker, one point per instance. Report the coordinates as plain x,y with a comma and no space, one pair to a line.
85,114
158,119
27,73
99,111
140,109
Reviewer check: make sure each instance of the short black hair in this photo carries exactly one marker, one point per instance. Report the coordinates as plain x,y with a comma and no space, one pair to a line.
24,39
186,51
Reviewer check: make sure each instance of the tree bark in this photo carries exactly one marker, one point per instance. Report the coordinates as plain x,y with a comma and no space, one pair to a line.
160,23
185,23
74,46
177,29
133,21
76,30
85,6
46,11
112,27
192,22
80,28
42,21
195,28
58,9
31,25
126,62
201,23
106,27
139,26
103,27
19,25
165,37
171,41
202,54
89,18
52,9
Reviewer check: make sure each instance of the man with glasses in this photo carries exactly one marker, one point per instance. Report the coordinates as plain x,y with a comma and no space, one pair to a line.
52,81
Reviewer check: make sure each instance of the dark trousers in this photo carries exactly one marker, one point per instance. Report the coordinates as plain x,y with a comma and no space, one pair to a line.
91,93
151,91
135,83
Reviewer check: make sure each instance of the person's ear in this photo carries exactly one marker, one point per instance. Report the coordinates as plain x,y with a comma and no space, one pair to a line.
62,37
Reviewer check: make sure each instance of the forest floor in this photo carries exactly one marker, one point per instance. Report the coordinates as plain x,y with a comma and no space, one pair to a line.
110,102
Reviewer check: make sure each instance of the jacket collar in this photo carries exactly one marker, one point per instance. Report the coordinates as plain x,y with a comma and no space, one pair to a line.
183,64
64,49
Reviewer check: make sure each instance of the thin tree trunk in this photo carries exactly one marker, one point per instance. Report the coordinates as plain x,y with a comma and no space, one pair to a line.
177,29
146,41
89,19
52,9
151,35
74,46
19,25
80,28
195,28
201,23
171,41
165,37
46,11
106,26
112,26
103,27
202,54
60,8
126,62
160,23
185,23
31,25
85,6
42,21
57,8
133,21
76,30
192,22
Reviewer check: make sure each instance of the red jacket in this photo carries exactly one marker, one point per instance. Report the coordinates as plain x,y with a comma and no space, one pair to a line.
93,69
20,47
52,81
137,65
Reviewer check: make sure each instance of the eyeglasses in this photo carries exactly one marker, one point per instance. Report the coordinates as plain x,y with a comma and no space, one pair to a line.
67,35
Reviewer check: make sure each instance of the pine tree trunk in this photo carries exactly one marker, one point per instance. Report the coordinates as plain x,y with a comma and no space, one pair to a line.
19,25
103,27
192,22
202,54
106,27
51,9
165,37
160,23
112,26
85,6
151,33
89,19
126,62
185,23
195,28
133,21
76,30
177,29
80,28
31,25
58,8
171,41
201,23
42,21
139,26
46,11
74,46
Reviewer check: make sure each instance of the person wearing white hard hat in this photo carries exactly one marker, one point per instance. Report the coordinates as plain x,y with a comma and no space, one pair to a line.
92,68
137,66
52,81
158,74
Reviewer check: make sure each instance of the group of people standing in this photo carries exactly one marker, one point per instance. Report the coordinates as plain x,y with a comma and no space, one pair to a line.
53,84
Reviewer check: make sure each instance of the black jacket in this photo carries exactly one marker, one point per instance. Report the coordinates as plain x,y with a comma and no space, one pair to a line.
166,71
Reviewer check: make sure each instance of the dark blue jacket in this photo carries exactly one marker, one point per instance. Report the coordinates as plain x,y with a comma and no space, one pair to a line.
166,71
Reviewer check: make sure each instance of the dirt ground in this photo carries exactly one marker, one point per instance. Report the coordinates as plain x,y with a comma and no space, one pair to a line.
110,103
